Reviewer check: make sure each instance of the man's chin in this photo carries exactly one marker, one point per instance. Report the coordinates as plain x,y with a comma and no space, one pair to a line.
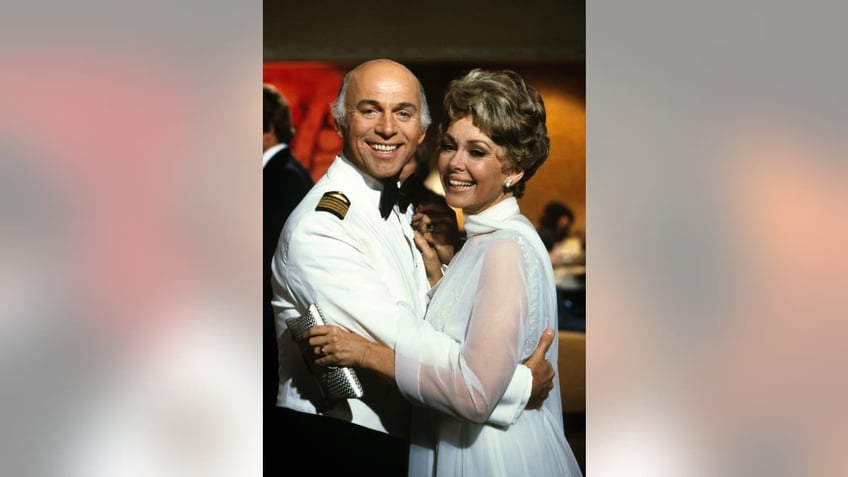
387,172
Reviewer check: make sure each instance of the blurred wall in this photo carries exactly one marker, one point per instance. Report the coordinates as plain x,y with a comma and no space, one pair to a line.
435,30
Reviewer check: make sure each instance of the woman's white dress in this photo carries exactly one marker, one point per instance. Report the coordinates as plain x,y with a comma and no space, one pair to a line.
495,299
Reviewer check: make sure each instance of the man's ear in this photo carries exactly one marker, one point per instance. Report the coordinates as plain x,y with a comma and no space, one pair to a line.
423,135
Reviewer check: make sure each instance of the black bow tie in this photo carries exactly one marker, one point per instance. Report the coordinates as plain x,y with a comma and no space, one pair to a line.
392,195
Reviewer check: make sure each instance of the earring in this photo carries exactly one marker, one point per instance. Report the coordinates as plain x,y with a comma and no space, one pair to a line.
508,182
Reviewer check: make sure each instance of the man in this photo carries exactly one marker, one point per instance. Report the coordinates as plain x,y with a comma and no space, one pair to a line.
284,183
360,265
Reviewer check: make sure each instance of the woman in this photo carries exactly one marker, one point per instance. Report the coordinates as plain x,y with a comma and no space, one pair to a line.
495,298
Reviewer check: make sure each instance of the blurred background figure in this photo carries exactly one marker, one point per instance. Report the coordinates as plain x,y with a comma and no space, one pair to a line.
284,183
564,246
568,257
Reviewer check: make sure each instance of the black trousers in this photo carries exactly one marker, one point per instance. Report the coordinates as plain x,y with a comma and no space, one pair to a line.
296,444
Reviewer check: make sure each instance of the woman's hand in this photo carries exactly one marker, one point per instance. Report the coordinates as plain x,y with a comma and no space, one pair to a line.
432,262
439,229
334,346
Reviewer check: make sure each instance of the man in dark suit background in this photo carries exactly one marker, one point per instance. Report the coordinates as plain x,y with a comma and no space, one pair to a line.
284,183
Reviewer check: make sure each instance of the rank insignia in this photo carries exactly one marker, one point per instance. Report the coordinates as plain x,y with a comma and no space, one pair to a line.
335,203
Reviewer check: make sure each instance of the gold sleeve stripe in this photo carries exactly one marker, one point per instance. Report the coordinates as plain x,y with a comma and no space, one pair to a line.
335,203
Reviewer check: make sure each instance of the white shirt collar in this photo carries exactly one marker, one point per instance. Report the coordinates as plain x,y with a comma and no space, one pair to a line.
493,217
267,155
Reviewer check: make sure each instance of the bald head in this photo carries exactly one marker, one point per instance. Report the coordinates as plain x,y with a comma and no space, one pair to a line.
377,70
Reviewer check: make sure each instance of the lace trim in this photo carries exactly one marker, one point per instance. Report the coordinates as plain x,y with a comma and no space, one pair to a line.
533,329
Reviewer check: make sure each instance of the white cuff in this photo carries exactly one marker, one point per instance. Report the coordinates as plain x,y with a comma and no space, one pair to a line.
515,398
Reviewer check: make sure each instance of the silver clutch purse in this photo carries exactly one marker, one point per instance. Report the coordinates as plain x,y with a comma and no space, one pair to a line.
336,382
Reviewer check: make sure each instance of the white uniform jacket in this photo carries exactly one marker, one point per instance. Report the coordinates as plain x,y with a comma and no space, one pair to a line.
366,275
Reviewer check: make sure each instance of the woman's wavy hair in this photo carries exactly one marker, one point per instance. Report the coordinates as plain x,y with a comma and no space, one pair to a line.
509,111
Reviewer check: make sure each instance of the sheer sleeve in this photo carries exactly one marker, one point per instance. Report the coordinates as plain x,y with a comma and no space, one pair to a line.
469,382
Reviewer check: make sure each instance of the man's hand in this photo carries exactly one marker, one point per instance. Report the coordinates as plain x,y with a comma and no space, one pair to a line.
542,371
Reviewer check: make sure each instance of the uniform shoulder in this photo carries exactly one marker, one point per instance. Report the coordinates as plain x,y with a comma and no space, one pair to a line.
334,202
322,209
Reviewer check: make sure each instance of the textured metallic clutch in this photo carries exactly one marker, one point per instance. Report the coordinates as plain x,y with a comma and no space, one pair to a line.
337,382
